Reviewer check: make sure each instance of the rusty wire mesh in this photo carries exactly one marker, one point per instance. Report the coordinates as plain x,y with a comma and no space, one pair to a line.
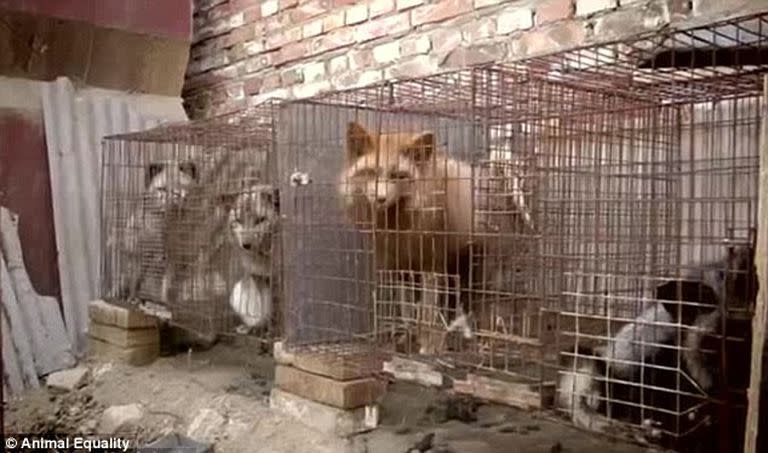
595,177
188,212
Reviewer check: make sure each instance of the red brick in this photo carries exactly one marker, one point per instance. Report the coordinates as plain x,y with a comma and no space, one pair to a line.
260,62
275,39
252,85
308,10
478,30
252,15
559,36
236,90
291,52
341,37
241,34
380,7
353,79
405,4
554,10
291,77
361,59
270,82
483,3
242,5
219,11
277,22
385,26
438,12
333,21
589,7
419,66
196,81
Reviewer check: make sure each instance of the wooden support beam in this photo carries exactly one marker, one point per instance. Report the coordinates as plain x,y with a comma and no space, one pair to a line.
761,307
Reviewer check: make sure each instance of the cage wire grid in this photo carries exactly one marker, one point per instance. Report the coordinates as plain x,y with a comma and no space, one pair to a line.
596,176
189,211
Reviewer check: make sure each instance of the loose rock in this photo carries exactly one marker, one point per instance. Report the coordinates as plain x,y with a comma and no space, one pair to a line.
119,417
68,380
206,425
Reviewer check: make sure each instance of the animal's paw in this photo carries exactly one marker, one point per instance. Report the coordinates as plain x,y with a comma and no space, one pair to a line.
242,329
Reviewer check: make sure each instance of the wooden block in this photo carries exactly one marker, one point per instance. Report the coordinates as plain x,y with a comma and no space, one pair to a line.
339,362
413,371
136,355
323,418
124,337
342,394
113,314
281,354
517,394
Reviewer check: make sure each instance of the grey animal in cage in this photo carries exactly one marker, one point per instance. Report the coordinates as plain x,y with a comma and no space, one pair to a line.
252,219
141,248
220,244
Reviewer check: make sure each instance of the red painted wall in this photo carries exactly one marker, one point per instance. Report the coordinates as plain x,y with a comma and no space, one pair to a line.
163,18
25,189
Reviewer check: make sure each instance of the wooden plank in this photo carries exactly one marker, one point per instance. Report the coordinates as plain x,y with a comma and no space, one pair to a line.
112,314
125,338
516,394
136,356
342,394
413,371
17,330
11,372
52,350
761,307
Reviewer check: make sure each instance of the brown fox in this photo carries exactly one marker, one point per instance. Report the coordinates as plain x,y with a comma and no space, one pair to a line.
418,199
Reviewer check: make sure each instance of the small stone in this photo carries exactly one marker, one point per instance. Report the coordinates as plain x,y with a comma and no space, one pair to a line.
117,417
68,380
425,443
402,430
509,429
206,425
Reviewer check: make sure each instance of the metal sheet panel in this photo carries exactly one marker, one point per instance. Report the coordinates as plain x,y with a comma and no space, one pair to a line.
75,122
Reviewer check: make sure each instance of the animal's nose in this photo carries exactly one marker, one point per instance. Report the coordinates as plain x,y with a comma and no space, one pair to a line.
247,245
381,199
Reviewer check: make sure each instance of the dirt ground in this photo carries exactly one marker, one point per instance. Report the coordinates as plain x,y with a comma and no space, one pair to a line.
221,396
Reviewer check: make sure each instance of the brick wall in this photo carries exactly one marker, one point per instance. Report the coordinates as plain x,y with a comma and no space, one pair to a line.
245,51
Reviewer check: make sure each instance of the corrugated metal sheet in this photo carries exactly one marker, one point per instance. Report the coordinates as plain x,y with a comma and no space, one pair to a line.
75,123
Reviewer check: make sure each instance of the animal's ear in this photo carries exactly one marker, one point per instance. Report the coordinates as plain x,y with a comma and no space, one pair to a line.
358,140
152,170
188,167
421,147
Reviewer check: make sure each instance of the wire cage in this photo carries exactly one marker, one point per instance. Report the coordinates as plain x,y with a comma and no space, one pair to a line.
647,164
189,211
406,214
584,219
